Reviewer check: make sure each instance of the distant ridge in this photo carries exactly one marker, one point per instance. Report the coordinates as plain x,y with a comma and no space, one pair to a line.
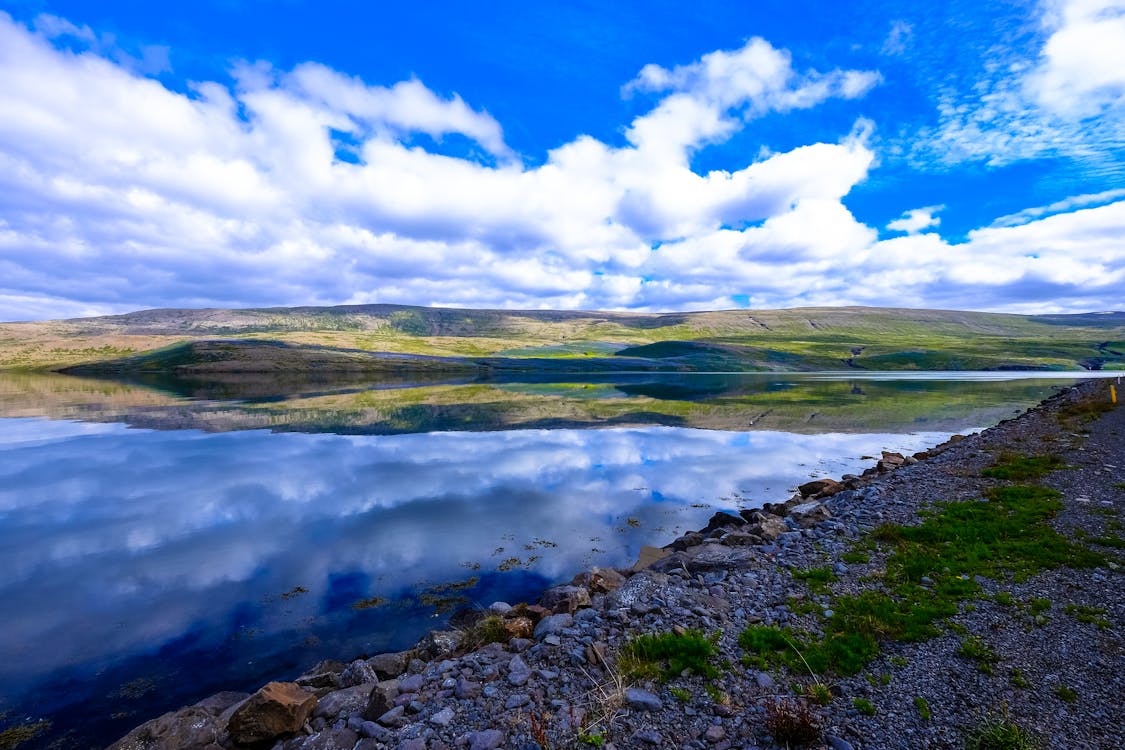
348,337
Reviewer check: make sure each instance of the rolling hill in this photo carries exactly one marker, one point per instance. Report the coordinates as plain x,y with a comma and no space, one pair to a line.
380,339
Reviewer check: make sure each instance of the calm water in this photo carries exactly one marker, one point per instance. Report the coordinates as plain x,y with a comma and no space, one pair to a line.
162,541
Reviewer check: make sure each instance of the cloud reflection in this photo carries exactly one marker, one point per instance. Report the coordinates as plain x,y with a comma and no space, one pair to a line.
115,541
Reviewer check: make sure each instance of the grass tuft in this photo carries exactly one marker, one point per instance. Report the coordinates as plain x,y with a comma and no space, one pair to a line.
792,723
666,655
1020,468
999,734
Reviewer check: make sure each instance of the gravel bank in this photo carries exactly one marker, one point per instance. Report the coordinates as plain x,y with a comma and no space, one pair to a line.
1046,653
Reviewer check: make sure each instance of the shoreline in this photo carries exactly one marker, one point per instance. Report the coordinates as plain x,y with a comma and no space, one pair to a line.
551,675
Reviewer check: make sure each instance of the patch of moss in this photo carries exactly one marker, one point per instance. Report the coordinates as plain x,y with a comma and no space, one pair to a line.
933,568
666,655
976,649
1020,468
864,706
816,578
1087,614
923,708
999,734
1067,694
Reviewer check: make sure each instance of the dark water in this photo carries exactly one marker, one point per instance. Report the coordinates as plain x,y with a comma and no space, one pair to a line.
162,541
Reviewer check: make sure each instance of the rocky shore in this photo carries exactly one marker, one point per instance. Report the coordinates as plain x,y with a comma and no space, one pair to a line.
676,653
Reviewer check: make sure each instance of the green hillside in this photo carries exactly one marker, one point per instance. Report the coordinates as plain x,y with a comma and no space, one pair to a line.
359,338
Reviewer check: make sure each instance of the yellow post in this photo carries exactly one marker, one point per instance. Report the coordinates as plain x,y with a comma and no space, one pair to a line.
1112,393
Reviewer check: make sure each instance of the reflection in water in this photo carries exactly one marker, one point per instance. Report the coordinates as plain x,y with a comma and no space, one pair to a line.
143,569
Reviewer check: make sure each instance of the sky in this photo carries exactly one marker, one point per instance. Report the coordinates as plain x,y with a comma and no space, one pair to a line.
582,155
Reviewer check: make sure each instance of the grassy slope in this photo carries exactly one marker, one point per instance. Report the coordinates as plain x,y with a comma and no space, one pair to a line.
805,338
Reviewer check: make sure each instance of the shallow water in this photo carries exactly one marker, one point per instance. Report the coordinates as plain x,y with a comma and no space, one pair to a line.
162,541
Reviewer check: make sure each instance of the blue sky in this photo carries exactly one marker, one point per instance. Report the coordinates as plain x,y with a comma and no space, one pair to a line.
573,155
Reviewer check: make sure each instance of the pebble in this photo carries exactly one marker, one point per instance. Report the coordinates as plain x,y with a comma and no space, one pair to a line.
642,700
442,717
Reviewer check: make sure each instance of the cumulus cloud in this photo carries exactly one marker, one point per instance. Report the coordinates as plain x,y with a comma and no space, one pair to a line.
915,220
311,186
1082,70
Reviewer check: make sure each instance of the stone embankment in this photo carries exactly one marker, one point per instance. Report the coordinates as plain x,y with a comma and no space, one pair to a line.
1047,653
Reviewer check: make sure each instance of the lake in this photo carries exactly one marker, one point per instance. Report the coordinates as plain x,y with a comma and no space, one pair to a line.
161,540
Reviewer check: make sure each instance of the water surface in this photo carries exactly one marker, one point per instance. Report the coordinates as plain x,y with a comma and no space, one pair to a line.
161,541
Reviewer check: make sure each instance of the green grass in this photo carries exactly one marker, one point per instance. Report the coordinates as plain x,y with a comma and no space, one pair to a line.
816,578
973,647
1087,614
1018,680
864,706
1065,693
1005,536
666,655
923,708
999,733
1021,468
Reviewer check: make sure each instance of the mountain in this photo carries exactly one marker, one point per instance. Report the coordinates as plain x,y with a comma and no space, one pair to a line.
395,339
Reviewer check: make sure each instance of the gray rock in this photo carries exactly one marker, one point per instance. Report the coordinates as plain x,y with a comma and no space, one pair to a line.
357,673
438,644
642,700
466,689
411,683
382,699
396,717
442,717
717,557
836,743
186,729
566,599
414,743
649,737
764,680
327,739
487,739
518,671
344,702
516,700
499,608
389,666
552,625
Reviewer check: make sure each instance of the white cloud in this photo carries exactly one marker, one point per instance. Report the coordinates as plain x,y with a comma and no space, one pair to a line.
306,187
899,38
915,220
1064,98
1082,70
1063,206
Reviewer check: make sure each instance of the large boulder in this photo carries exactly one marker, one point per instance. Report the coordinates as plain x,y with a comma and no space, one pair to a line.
820,488
810,513
276,710
565,599
381,699
599,580
389,666
344,702
720,520
438,644
197,727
